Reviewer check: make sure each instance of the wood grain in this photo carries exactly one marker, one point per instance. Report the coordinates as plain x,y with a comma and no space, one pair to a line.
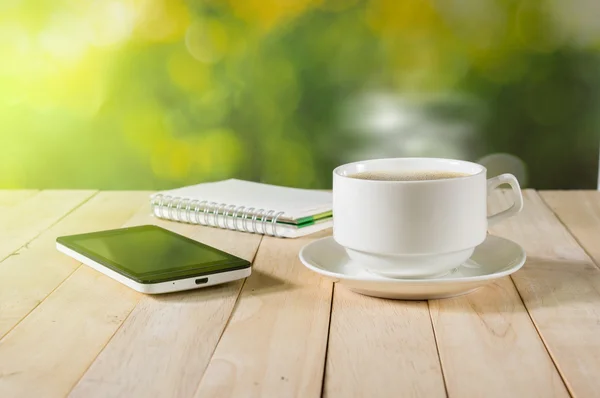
489,347
27,277
165,345
560,284
381,348
274,345
46,352
487,343
579,211
12,197
63,320
34,215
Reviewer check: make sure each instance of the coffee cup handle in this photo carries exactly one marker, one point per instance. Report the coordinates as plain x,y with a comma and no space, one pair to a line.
517,205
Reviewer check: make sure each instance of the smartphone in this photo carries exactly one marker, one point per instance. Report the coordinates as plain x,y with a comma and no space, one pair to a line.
154,260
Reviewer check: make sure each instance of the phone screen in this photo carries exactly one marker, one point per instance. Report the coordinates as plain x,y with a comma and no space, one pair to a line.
150,254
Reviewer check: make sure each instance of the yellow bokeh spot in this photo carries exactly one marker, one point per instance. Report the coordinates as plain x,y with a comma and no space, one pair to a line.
266,14
211,154
217,153
143,126
172,159
189,74
110,22
418,44
180,159
161,20
79,87
207,40
408,17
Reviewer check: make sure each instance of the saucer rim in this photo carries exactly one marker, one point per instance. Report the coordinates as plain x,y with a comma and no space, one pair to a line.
436,280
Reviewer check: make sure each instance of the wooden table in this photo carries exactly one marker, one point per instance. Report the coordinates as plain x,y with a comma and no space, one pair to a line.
285,331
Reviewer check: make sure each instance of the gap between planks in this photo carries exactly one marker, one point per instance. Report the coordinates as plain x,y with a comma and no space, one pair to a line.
327,341
275,342
437,349
31,293
526,298
560,285
571,217
107,304
37,269
577,356
487,342
27,219
164,345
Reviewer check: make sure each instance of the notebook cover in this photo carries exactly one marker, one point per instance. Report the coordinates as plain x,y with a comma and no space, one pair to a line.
300,206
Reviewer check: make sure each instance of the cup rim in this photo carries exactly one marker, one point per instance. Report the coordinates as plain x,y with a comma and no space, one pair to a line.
337,170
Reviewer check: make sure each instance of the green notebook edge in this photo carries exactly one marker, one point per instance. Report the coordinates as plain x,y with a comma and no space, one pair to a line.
310,220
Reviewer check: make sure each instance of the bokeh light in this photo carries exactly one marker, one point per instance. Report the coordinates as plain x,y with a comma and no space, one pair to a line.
152,94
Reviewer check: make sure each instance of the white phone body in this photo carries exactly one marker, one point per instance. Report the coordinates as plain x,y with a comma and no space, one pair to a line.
187,283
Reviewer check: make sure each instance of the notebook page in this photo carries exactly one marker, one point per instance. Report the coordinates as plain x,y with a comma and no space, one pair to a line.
295,202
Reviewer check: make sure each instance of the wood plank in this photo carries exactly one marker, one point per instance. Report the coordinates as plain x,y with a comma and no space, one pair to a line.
12,197
274,344
44,354
27,277
47,352
487,343
34,215
164,346
381,348
579,211
489,347
561,285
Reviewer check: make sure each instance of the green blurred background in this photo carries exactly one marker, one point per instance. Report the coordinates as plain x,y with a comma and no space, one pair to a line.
153,94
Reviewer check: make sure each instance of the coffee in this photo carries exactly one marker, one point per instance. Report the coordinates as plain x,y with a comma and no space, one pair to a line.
407,175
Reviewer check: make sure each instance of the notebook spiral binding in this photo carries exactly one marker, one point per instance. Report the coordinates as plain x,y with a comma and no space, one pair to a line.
213,214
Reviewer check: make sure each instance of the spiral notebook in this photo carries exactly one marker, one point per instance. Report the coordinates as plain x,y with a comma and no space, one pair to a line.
248,207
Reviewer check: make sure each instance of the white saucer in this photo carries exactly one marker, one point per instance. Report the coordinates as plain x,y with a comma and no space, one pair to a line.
494,258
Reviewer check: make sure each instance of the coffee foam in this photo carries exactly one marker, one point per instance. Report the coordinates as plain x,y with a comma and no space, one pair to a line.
424,175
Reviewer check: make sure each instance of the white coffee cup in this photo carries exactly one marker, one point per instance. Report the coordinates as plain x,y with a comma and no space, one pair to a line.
415,229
